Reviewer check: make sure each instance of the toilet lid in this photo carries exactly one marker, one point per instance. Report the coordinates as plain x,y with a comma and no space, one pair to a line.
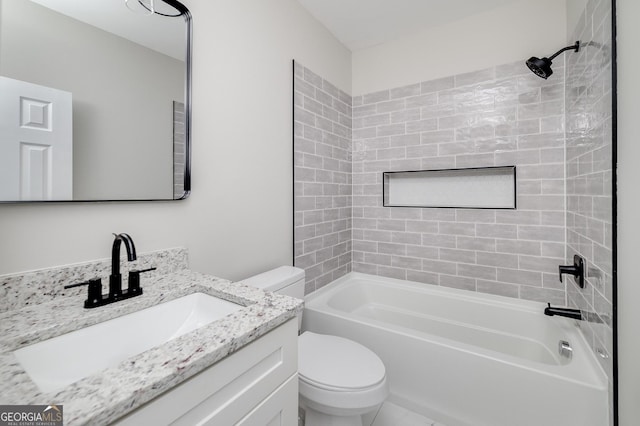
337,363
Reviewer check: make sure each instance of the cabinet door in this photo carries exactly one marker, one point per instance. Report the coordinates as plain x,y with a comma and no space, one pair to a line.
224,393
279,409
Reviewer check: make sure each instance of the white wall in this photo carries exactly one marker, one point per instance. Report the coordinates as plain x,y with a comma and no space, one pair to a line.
628,211
238,220
574,12
506,34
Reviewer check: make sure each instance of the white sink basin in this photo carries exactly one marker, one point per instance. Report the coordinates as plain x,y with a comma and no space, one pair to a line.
55,363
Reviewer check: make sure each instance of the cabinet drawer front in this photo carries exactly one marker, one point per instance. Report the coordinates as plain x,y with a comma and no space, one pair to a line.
226,391
279,409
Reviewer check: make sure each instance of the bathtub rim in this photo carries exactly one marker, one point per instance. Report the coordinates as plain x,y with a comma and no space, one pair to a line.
597,378
487,298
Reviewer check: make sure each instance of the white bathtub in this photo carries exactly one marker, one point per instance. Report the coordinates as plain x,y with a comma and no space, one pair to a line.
463,358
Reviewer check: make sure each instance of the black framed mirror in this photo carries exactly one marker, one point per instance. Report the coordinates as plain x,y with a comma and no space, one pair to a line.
94,100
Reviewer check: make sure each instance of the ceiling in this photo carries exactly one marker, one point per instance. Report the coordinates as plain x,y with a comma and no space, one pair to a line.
360,24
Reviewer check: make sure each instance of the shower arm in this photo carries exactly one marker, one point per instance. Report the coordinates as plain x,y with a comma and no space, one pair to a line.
575,47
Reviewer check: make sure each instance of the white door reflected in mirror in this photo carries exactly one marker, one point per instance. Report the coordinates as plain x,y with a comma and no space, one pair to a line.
36,151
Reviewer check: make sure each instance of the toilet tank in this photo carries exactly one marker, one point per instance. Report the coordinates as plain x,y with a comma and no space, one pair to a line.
287,280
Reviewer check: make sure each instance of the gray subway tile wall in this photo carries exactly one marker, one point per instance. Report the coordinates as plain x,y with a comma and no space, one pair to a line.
498,116
588,97
179,149
322,178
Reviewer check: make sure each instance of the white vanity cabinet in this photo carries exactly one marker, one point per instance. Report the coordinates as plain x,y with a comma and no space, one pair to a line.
257,385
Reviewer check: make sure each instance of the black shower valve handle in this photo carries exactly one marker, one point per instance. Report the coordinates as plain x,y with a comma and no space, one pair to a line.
565,269
577,270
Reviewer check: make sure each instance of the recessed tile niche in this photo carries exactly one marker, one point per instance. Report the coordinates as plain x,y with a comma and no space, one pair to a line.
477,188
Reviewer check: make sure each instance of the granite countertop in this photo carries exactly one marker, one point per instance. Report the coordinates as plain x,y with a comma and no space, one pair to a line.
104,397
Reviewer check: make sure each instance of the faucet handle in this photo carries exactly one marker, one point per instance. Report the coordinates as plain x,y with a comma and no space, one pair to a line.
94,295
134,280
82,283
577,270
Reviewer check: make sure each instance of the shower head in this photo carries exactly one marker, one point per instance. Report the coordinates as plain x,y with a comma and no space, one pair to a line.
542,67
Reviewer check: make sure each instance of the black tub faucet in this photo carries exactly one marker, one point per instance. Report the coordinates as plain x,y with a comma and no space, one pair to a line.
563,312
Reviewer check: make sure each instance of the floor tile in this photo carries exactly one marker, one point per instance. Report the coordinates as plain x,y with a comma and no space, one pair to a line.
391,414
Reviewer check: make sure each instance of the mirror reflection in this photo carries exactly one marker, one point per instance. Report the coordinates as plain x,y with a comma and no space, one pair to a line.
92,100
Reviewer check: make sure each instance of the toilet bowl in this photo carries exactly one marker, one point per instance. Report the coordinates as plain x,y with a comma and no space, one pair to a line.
339,379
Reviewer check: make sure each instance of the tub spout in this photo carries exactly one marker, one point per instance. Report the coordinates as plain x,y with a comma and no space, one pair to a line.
563,312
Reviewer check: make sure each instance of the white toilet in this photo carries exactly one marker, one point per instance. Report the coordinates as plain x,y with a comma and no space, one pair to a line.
339,380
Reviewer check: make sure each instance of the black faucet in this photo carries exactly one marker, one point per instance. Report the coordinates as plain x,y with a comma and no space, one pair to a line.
115,279
577,270
95,297
563,312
